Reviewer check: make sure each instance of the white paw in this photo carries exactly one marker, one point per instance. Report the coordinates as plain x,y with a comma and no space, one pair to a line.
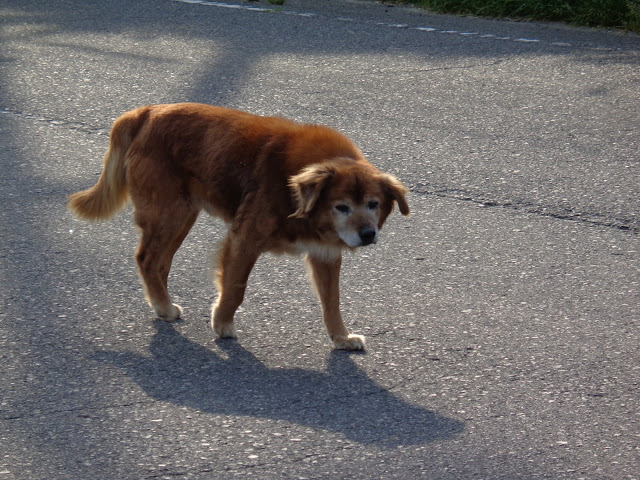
350,342
168,315
227,330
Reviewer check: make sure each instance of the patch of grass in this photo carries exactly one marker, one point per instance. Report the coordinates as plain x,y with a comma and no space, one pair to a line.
594,13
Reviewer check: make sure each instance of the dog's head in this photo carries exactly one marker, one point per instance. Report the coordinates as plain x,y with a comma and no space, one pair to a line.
347,200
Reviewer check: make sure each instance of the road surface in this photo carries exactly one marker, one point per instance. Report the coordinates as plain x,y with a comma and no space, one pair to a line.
501,316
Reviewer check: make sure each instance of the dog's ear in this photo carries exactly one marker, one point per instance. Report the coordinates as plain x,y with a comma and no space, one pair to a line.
307,187
396,191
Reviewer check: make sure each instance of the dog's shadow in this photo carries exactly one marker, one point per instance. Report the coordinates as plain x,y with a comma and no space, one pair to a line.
343,400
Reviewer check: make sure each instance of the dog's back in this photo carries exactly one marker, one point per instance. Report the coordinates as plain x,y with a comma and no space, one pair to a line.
218,154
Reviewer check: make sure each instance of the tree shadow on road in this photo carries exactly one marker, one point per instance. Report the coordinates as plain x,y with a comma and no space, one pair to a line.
343,399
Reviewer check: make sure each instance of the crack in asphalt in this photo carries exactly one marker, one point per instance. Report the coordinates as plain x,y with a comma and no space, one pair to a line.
587,218
57,122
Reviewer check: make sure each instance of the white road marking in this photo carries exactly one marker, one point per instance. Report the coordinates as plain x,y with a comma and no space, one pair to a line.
488,36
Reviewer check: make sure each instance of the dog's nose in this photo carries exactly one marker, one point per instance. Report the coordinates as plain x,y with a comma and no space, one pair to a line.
367,236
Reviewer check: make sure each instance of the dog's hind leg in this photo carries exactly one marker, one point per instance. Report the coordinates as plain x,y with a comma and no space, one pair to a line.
161,238
326,279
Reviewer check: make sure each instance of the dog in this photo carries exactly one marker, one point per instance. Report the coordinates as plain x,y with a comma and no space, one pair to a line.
281,186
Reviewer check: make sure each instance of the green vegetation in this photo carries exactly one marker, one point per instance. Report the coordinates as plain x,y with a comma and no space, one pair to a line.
594,13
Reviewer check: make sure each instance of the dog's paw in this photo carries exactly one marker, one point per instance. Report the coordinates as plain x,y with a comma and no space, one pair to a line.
226,330
350,342
170,314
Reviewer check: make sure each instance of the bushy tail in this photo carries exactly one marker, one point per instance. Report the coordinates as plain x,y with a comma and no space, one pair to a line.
110,194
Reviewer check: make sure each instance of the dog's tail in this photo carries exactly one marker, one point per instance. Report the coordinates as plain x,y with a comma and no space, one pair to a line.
111,194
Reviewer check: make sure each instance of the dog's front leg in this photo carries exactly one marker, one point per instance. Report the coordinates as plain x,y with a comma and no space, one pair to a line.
326,279
236,262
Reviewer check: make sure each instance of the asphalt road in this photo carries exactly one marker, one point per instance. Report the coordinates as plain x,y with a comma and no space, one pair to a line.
502,317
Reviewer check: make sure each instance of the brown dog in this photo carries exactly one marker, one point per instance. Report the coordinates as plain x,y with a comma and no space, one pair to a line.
282,187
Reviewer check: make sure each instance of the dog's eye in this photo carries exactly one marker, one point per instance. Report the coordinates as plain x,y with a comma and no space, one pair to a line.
343,208
373,204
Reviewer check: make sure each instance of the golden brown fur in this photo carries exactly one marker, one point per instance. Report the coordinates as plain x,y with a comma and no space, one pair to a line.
282,186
